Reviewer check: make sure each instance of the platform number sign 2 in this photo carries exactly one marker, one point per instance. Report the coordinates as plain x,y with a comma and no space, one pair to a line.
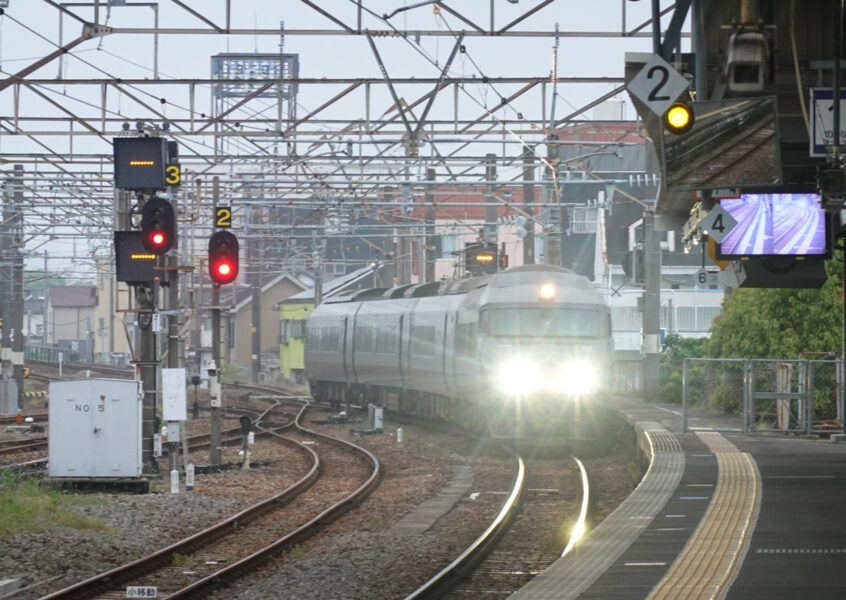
657,85
659,74
223,217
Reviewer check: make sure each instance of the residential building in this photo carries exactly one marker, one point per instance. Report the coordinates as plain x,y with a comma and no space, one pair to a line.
69,318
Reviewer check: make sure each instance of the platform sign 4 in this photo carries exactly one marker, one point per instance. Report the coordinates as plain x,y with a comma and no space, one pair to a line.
718,224
822,119
658,85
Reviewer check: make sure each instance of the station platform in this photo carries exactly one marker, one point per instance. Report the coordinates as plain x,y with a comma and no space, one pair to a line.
715,516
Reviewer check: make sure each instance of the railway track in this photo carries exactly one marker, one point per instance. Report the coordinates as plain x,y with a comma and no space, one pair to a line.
209,559
550,519
735,157
243,542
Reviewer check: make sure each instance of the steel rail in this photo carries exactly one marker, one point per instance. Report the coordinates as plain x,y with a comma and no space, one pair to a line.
461,567
12,419
24,446
202,587
110,579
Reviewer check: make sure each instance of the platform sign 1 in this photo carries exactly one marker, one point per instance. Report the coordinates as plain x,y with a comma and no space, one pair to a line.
822,119
658,85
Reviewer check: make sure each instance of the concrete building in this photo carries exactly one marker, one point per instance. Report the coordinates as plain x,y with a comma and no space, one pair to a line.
111,345
69,318
241,317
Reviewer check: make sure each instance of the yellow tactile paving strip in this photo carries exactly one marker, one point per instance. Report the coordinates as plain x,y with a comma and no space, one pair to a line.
711,560
576,572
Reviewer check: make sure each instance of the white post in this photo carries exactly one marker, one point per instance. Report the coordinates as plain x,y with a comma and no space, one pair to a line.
174,482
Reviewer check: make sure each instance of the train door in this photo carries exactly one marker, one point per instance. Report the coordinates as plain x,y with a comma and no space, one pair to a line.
345,361
449,320
402,351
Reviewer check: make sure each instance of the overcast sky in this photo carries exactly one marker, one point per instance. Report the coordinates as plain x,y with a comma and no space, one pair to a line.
31,29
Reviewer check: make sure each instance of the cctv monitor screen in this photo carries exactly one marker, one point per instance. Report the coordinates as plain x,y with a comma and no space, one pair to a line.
775,224
732,144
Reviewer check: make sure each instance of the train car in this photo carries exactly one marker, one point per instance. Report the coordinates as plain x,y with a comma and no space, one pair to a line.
511,352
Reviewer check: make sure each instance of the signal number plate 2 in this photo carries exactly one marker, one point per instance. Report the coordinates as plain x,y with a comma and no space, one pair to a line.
223,216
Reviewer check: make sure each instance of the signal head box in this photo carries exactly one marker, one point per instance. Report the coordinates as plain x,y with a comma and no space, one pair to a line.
95,428
133,262
140,163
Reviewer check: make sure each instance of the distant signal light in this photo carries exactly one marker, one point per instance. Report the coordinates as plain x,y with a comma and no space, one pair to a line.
679,118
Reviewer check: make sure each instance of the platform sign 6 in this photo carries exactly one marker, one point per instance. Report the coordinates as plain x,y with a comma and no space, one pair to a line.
658,85
223,217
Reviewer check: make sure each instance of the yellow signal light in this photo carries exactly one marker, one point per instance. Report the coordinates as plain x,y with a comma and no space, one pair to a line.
141,163
484,257
679,117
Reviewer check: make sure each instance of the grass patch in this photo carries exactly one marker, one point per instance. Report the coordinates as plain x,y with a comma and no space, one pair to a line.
181,560
28,505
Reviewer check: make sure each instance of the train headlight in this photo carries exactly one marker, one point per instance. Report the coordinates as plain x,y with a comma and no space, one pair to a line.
579,378
518,376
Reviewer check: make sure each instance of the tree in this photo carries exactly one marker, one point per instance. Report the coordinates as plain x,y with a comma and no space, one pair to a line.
780,323
676,349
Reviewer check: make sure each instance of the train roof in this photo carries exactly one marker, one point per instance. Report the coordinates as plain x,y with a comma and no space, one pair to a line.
447,287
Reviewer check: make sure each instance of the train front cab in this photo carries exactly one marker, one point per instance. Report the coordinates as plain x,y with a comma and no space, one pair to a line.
545,367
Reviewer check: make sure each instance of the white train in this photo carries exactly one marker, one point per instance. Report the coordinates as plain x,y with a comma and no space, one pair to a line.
523,346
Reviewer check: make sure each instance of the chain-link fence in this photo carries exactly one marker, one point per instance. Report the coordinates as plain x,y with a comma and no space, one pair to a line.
764,395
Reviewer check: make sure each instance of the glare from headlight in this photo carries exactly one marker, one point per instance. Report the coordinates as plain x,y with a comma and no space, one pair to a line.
518,376
579,378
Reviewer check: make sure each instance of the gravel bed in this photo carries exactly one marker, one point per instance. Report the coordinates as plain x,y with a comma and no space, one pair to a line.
363,559
136,525
359,556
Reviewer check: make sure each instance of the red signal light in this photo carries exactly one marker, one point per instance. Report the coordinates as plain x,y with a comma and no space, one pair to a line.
158,225
223,257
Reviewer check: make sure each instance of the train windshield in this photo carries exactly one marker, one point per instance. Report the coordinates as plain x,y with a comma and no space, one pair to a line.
543,322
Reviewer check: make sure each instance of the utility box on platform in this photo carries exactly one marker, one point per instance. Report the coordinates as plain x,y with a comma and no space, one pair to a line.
95,428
